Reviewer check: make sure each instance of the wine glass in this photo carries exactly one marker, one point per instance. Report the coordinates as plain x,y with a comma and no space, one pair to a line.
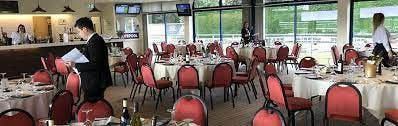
24,77
88,121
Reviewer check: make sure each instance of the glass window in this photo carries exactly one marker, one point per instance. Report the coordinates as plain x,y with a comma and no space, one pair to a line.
207,26
279,24
362,22
317,30
270,1
174,27
231,2
156,29
231,25
206,3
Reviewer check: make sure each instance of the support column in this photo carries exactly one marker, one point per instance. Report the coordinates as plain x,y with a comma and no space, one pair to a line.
343,23
188,29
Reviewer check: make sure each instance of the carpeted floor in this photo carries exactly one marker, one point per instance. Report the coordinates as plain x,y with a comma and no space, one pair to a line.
223,114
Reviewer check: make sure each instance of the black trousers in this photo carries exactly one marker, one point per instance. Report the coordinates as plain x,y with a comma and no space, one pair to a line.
380,50
94,94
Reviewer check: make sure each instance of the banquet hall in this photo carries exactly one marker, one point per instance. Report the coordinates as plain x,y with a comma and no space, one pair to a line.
198,62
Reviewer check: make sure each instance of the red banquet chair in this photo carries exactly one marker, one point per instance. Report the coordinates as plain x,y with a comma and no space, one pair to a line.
42,76
390,115
245,79
211,47
269,69
350,54
292,104
123,70
343,102
282,54
51,63
171,49
347,46
100,109
188,78
335,54
222,77
127,51
73,85
62,69
60,108
158,53
307,62
231,53
149,81
137,82
190,107
19,117
294,54
132,62
268,116
163,46
191,48
260,53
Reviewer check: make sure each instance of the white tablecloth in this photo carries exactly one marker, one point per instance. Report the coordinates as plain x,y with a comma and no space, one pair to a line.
37,105
247,52
376,95
205,71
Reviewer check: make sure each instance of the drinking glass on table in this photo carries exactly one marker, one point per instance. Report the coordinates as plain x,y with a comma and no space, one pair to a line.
88,122
24,77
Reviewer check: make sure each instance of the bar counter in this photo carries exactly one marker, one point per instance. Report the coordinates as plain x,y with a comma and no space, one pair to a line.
17,59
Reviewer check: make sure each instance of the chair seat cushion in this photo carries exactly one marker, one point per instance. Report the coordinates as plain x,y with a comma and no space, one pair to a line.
391,114
121,69
240,79
296,103
162,84
287,86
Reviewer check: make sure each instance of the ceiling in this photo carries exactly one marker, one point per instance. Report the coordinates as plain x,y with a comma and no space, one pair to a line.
132,1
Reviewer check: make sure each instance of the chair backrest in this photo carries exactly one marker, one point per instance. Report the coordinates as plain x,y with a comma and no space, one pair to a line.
277,43
211,47
19,117
307,62
42,76
44,63
100,109
347,46
142,60
61,107
191,48
219,50
132,62
148,55
260,53
51,62
231,53
269,68
268,116
275,90
350,54
296,49
73,85
127,51
253,68
171,48
188,77
61,66
335,54
344,102
147,76
222,75
190,107
163,45
155,48
283,53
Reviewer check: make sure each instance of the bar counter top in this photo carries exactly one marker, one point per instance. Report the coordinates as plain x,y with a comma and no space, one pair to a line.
41,45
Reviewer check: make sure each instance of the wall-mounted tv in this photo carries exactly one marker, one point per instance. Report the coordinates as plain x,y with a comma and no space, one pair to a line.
184,9
127,8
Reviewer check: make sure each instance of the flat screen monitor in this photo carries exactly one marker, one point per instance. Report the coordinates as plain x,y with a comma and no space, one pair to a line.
134,9
184,9
121,8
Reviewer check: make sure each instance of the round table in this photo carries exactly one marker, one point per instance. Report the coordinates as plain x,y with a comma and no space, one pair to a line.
377,95
37,105
247,52
205,69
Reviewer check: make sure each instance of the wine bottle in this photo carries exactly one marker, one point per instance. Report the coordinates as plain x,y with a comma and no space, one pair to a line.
125,119
340,65
136,116
187,57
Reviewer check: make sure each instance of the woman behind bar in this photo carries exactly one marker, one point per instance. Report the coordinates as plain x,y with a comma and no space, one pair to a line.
21,37
381,39
245,32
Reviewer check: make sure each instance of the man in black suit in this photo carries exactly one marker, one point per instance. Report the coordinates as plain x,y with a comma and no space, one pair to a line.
95,75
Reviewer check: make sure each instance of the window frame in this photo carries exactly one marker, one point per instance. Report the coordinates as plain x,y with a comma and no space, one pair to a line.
164,22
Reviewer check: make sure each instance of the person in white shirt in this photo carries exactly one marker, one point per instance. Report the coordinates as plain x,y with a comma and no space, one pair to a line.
381,39
21,37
